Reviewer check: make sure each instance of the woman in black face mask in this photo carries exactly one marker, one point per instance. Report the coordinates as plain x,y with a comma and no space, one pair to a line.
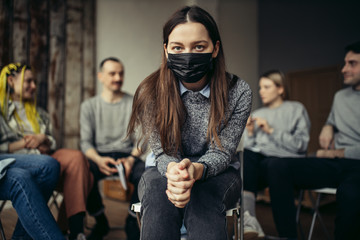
193,113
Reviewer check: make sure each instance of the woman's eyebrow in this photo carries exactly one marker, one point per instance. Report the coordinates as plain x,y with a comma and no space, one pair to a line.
175,43
201,41
195,42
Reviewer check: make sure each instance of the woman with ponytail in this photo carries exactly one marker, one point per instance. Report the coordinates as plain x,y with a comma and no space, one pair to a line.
26,129
193,113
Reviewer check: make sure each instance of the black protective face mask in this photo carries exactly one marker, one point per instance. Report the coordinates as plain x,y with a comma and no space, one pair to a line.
190,67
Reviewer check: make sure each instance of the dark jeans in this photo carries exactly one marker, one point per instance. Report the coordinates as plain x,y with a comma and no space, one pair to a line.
312,173
256,172
94,203
204,216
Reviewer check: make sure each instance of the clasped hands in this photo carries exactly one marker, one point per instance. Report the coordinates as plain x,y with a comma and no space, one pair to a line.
180,180
37,141
260,122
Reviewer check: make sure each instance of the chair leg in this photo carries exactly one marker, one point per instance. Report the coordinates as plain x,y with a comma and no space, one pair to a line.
1,226
2,205
242,219
2,231
298,210
236,226
53,200
138,219
317,214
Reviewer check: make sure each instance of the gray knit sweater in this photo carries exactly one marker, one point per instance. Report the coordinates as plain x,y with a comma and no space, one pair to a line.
194,131
103,125
345,118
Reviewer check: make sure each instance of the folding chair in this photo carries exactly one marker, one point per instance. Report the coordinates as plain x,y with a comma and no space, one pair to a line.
316,213
54,199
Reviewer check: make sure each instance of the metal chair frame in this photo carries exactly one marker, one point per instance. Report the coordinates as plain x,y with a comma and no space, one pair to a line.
316,213
2,233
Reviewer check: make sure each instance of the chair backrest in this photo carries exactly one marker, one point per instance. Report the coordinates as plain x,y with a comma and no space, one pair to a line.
326,190
240,152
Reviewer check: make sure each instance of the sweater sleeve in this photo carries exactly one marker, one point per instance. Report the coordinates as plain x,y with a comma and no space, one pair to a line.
162,160
216,158
249,141
86,127
353,152
298,138
5,134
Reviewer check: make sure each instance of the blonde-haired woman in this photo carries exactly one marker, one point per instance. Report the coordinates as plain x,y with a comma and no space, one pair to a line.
280,129
26,129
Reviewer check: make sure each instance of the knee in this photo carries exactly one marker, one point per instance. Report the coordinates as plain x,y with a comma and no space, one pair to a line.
277,168
50,166
152,186
78,158
19,179
74,159
277,165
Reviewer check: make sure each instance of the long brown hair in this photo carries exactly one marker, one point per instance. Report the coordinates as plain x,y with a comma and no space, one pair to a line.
157,103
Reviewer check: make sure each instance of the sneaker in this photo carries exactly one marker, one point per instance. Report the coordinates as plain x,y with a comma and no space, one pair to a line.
131,228
99,231
80,236
252,228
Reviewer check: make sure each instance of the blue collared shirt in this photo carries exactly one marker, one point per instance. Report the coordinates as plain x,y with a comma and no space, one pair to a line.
205,91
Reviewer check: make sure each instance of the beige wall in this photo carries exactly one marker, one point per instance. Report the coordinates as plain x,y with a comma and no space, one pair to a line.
239,31
132,31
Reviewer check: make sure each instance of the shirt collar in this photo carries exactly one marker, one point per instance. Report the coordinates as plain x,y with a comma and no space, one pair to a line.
205,91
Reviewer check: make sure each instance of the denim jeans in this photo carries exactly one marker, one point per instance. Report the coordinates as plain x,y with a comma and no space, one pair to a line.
204,216
28,184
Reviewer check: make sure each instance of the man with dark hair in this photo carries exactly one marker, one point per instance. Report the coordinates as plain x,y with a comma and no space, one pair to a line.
103,139
336,165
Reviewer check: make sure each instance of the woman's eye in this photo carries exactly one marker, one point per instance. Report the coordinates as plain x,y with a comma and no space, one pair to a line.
177,48
199,47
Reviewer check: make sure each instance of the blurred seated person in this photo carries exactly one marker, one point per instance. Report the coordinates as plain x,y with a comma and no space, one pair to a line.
26,129
336,165
103,139
278,130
